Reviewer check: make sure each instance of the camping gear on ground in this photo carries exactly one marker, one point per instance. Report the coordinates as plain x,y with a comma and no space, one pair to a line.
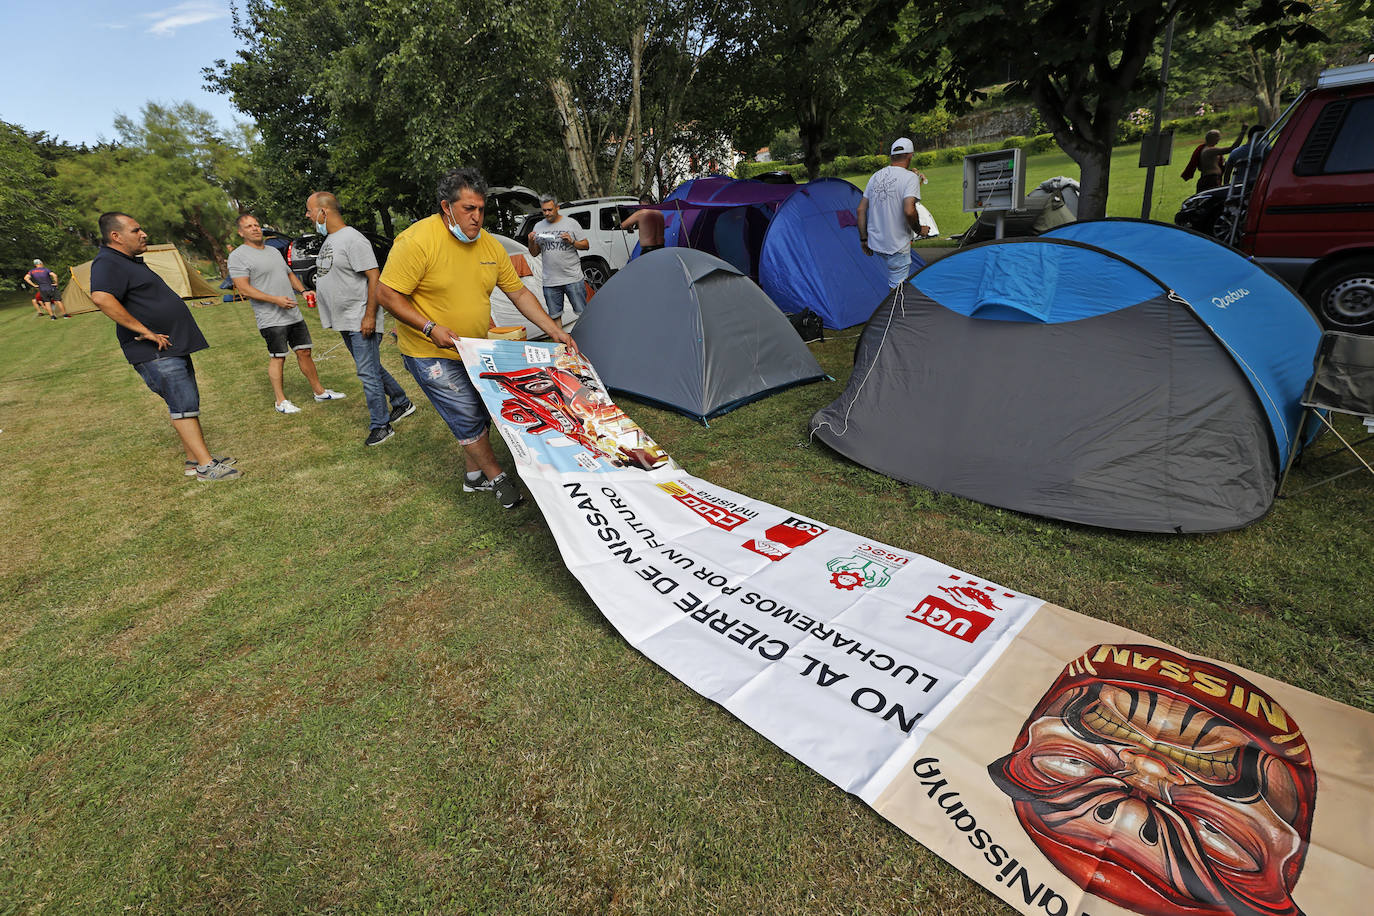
799,242
531,273
808,325
686,330
1342,381
1049,376
165,260
512,332
1053,203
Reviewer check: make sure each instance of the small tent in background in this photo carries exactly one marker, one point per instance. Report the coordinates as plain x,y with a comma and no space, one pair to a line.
687,330
799,242
531,272
165,260
1052,377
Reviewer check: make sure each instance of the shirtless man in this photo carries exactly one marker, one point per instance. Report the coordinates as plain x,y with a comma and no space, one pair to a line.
649,223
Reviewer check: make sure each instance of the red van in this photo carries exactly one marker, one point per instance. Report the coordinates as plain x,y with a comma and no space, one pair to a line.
1303,203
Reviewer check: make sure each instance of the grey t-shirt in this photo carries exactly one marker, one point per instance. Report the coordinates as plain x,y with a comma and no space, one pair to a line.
562,263
267,272
340,282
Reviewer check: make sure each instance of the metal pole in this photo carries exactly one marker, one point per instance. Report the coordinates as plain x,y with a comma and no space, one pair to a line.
1159,116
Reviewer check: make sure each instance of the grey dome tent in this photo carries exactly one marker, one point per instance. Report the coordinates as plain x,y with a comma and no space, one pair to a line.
686,330
1057,377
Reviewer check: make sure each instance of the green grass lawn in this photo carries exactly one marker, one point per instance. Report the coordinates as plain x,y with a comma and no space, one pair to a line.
338,685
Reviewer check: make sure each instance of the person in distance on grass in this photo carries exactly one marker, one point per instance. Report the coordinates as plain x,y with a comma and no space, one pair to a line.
261,276
136,299
45,281
437,283
649,223
346,284
887,214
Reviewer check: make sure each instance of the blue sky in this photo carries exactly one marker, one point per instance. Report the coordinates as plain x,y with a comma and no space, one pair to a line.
70,65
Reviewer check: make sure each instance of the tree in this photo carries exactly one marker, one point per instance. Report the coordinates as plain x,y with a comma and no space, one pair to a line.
174,171
40,221
806,65
1229,52
1079,61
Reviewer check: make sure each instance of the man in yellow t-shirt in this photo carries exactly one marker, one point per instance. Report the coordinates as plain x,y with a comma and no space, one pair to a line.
437,282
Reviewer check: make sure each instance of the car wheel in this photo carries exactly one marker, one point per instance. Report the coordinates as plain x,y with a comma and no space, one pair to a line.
595,272
1343,295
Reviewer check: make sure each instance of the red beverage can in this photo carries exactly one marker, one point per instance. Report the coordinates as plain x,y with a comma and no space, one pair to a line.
310,299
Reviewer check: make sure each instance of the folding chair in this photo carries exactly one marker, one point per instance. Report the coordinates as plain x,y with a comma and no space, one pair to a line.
1342,381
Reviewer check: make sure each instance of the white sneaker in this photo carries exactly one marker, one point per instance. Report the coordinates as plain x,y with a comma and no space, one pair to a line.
287,407
330,395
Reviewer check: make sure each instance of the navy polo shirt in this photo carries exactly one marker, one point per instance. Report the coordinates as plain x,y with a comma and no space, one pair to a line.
148,298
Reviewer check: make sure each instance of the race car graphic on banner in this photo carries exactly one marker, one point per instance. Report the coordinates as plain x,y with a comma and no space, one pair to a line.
1067,765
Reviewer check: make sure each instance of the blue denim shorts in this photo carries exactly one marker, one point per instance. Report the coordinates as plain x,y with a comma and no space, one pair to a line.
576,293
173,379
286,337
445,382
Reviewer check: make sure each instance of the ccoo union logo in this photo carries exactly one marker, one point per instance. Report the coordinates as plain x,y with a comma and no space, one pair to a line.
1232,296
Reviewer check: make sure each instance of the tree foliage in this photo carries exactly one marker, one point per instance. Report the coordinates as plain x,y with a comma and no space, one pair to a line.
173,170
39,221
1079,61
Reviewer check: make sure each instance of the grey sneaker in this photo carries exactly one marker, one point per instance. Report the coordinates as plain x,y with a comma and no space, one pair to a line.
476,482
379,435
218,459
216,470
400,413
507,490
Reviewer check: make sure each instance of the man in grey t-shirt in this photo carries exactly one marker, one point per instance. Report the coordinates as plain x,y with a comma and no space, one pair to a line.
260,274
346,283
559,238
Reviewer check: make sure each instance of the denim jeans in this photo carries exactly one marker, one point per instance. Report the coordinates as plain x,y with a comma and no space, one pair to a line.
378,384
576,293
898,266
173,378
445,382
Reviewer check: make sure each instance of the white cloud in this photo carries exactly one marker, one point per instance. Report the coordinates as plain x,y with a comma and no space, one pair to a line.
192,12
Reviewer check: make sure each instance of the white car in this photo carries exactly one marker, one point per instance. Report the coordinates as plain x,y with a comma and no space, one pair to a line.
609,247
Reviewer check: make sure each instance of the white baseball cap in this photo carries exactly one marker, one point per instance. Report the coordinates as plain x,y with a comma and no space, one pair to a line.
903,145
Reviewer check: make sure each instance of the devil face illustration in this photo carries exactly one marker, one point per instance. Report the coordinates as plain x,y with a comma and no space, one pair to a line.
1165,784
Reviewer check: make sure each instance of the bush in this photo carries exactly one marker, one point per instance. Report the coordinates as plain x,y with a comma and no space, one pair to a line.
753,169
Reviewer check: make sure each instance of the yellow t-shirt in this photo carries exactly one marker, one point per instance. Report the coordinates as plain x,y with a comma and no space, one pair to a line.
449,281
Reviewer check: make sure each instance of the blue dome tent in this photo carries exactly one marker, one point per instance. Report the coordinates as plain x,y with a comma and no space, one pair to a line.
799,242
1060,378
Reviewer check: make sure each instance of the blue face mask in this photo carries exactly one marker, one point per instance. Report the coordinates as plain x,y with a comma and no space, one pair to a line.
321,229
458,234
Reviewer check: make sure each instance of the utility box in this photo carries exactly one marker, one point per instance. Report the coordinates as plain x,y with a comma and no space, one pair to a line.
1156,151
995,181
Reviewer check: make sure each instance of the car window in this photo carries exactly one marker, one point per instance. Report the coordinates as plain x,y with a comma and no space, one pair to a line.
610,217
584,219
1353,148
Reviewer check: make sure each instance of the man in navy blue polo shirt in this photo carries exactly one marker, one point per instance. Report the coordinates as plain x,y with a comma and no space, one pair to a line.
157,333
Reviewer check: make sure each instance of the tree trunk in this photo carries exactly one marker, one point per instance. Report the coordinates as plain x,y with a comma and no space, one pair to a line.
574,139
637,126
385,214
813,129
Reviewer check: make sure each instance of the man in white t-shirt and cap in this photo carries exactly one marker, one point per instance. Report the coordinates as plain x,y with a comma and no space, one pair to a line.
888,217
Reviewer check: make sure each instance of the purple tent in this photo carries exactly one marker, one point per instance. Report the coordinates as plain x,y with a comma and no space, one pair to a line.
799,242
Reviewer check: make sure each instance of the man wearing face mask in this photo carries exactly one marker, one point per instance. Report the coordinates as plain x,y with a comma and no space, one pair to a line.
346,282
437,283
